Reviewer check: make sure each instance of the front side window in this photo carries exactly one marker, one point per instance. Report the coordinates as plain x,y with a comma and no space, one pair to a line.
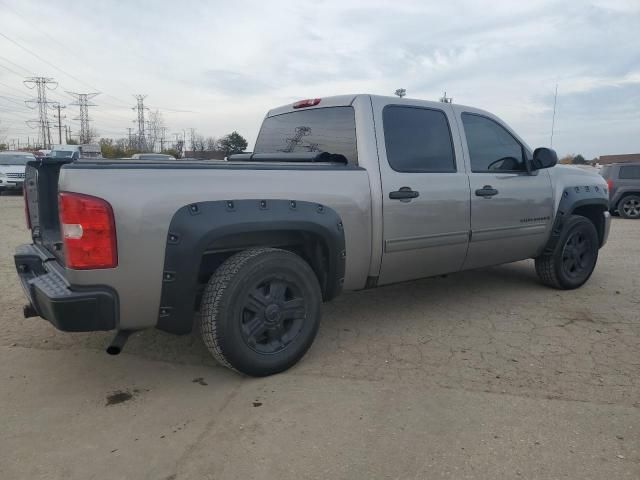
418,140
491,146
630,172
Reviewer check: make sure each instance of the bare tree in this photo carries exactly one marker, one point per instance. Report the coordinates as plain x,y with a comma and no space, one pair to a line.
211,143
155,128
92,135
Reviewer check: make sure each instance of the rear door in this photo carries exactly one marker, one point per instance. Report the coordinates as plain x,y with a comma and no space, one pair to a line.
425,190
511,208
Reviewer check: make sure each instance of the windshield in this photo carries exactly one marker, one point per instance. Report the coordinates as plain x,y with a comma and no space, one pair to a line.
331,130
15,159
61,154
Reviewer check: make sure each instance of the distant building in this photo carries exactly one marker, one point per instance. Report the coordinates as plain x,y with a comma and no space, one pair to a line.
626,158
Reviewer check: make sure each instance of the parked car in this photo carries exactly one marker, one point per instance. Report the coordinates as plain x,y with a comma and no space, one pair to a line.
341,193
12,170
152,156
76,151
623,180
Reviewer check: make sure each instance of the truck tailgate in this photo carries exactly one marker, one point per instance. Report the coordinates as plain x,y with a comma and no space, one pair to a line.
41,197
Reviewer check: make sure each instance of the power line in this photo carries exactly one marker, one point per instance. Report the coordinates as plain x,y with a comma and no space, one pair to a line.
53,65
29,72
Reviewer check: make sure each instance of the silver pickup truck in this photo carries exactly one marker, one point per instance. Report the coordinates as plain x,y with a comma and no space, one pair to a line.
341,193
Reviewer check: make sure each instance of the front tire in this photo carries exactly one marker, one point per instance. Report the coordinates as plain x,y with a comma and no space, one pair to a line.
629,207
574,257
260,311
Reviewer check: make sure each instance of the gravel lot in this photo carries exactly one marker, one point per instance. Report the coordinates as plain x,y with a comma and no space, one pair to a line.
484,374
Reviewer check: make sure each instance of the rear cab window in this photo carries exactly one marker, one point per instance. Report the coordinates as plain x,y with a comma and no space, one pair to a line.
329,129
418,140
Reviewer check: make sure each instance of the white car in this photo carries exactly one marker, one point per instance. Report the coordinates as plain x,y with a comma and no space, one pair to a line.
12,167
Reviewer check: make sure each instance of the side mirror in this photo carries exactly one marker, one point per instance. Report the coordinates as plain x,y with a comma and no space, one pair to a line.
544,158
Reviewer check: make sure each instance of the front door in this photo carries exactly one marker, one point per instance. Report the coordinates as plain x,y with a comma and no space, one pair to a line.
425,191
511,207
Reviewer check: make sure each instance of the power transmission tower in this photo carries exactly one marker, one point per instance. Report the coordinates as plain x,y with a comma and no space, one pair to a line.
82,100
142,139
41,84
59,118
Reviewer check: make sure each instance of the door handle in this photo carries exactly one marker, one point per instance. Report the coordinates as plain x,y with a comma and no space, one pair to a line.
487,191
405,194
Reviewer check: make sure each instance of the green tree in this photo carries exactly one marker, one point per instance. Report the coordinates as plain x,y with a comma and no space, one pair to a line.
578,160
232,143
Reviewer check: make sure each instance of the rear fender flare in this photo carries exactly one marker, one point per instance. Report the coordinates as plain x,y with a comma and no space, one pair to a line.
195,229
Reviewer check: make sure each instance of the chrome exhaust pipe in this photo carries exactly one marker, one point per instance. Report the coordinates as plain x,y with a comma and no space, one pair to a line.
117,344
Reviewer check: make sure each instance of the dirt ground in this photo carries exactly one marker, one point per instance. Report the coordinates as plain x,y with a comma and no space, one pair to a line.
484,375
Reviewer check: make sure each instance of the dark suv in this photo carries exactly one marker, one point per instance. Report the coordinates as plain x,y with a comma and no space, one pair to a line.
624,188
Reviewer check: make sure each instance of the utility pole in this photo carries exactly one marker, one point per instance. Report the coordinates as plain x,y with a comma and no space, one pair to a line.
130,137
553,119
163,133
59,117
140,119
41,84
193,139
82,100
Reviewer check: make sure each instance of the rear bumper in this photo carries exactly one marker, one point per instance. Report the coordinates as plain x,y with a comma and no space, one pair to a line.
68,308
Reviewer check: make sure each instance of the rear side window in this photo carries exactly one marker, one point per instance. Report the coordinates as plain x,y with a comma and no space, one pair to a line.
605,171
418,140
331,130
630,172
491,146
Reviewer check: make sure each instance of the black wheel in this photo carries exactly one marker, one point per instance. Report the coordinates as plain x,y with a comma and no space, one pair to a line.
572,261
629,207
260,311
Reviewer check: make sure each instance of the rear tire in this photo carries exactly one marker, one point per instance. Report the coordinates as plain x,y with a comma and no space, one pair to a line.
260,311
629,207
574,257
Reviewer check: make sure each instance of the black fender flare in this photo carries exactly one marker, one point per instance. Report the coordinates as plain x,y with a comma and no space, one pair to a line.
195,229
572,199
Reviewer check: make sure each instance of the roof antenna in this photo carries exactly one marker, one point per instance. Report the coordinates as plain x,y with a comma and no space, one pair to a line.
553,119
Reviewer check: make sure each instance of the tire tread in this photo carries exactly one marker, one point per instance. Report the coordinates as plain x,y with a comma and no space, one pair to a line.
213,295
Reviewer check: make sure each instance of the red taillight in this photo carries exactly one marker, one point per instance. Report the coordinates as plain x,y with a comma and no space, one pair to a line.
610,185
88,232
310,102
26,205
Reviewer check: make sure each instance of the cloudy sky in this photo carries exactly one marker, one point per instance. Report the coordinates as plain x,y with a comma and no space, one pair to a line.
218,66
